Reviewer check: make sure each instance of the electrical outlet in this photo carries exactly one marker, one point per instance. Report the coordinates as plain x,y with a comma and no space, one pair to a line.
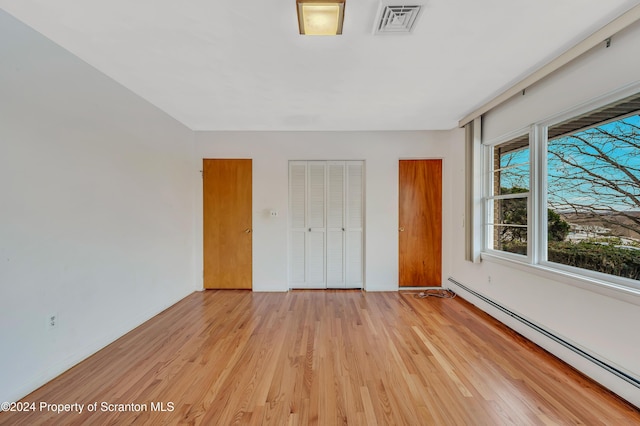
489,279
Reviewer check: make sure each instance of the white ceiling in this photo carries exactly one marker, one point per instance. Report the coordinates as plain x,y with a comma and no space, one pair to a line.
241,65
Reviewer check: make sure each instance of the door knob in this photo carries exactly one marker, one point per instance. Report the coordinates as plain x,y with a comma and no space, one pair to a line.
247,231
401,229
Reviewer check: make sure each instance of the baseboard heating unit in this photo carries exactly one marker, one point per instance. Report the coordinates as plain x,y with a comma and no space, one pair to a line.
610,368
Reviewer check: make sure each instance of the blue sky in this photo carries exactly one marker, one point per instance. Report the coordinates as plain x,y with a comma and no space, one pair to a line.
610,167
607,163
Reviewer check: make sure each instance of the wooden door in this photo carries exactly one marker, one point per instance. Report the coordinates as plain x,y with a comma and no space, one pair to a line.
227,223
420,227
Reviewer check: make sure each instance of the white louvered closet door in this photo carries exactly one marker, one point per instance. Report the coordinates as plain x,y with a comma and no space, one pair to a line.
307,193
326,206
297,224
354,235
316,224
335,224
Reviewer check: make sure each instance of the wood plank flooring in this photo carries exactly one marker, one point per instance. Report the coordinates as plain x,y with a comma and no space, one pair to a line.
325,357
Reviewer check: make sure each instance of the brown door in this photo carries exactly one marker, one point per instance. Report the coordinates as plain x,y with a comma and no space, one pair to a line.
227,223
420,227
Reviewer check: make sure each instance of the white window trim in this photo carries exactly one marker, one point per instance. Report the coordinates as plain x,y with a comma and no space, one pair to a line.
603,287
536,260
487,189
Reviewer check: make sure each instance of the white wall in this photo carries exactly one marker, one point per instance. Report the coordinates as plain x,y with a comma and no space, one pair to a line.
598,72
271,152
601,321
96,221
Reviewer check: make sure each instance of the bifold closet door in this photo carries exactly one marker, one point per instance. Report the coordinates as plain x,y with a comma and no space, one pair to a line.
326,224
354,224
308,226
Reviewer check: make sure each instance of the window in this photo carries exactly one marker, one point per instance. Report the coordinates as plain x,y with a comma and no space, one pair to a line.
593,190
507,200
569,198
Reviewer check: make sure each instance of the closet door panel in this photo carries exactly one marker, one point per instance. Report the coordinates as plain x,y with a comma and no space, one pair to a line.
316,224
335,260
316,198
298,223
354,256
297,271
315,260
335,224
355,195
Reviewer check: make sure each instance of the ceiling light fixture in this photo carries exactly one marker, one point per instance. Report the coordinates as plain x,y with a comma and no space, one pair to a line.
320,17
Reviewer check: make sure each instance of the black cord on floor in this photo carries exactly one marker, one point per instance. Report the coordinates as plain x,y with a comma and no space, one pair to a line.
442,294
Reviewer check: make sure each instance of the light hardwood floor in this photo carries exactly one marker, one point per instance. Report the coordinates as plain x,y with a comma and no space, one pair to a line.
326,357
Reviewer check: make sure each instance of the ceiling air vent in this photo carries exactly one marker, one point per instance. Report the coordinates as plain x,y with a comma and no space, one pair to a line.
396,19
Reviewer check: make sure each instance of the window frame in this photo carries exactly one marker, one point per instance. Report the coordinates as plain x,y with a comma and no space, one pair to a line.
488,197
536,258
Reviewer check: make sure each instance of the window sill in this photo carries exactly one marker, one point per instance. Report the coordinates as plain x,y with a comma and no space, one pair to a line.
605,288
